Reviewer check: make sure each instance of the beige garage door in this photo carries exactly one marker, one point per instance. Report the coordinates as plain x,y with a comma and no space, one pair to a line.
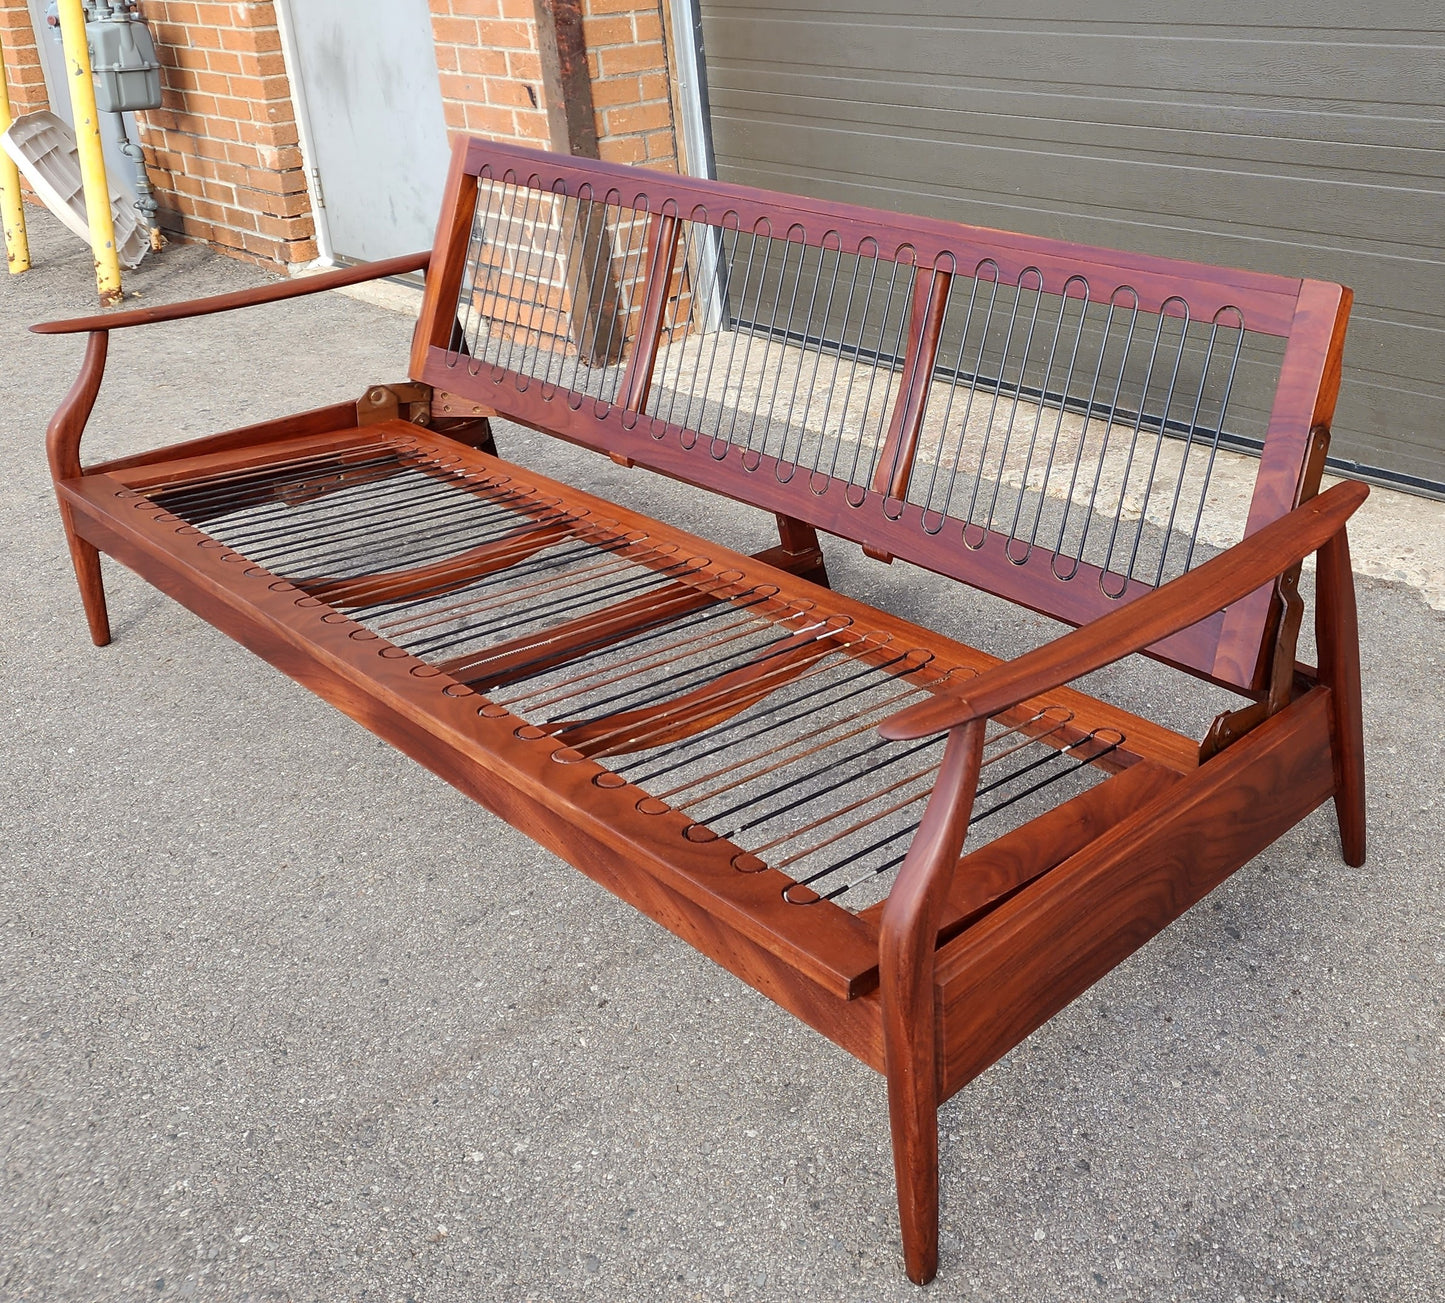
1285,137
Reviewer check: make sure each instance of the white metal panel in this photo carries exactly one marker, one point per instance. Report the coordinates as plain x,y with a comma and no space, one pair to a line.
368,68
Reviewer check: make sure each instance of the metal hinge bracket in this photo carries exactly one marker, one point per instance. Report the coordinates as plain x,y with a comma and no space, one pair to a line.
406,402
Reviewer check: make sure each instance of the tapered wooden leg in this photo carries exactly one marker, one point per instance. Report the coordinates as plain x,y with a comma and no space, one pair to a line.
907,945
62,449
913,1117
1337,632
86,560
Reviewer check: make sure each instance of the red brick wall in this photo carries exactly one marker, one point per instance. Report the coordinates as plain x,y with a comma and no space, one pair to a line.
222,149
627,53
23,73
491,80
491,76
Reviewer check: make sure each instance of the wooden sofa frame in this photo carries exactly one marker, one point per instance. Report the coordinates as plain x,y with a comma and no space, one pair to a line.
968,950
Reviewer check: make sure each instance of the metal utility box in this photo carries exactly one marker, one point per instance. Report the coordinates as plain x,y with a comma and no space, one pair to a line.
123,59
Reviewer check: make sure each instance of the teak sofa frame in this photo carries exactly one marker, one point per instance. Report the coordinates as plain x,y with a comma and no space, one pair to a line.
580,299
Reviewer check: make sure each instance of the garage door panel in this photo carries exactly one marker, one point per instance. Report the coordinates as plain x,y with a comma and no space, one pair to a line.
1330,70
1404,286
1408,357
1324,209
1293,140
1392,277
1379,425
1304,16
1283,138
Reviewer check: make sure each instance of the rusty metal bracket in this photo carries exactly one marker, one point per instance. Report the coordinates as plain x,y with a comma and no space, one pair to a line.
407,402
396,402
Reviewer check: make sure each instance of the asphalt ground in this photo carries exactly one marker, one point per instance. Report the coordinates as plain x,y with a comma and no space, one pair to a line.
283,1016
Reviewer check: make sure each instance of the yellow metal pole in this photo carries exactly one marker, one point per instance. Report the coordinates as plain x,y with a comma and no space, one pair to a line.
12,209
92,161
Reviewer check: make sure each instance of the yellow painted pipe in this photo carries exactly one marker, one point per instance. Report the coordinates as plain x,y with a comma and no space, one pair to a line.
12,208
92,160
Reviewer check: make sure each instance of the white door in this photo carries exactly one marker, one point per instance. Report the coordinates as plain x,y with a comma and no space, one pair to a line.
368,74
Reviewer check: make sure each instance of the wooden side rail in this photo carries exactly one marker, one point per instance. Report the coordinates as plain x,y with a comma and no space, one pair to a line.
910,920
1216,584
276,293
68,424
908,939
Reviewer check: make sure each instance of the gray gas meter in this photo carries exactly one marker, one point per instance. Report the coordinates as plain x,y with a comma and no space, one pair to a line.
123,59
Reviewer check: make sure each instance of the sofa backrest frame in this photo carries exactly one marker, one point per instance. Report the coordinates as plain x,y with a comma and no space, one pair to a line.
882,513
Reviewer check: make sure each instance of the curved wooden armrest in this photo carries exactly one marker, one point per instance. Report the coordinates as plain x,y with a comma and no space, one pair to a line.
292,289
1184,601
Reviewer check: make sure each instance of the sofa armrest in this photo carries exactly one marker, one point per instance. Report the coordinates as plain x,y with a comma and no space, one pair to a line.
274,293
1184,601
62,439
